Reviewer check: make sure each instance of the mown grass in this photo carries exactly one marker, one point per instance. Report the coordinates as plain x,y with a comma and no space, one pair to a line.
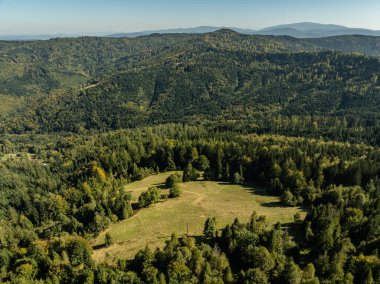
200,200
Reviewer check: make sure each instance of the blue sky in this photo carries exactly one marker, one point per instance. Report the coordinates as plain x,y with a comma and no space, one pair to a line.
104,16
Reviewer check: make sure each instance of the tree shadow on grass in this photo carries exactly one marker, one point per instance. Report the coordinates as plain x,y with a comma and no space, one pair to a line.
252,188
161,186
260,190
98,246
273,204
278,204
224,183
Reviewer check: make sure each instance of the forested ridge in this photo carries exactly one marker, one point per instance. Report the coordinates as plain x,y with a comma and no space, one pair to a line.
83,117
270,84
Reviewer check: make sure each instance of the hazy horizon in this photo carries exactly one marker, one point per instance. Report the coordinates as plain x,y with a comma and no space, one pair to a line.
22,17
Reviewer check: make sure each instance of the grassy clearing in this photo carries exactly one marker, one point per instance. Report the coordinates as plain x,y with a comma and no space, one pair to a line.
201,199
138,187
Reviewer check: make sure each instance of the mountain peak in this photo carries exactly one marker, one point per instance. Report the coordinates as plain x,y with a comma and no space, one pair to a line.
226,31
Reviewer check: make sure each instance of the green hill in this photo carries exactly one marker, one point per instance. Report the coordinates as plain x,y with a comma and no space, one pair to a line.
97,84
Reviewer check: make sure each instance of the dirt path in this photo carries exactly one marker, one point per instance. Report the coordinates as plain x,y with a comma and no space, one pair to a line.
199,197
89,87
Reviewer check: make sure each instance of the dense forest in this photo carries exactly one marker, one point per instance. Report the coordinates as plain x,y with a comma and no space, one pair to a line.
81,118
260,84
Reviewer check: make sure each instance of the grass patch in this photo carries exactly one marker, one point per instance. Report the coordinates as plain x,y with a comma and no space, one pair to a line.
138,187
200,200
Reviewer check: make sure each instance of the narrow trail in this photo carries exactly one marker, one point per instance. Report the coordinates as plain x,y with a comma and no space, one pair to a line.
199,197
89,87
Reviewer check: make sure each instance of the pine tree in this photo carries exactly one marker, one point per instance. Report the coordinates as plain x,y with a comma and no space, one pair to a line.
108,239
209,230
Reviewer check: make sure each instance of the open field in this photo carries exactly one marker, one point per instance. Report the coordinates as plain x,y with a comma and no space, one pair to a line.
201,199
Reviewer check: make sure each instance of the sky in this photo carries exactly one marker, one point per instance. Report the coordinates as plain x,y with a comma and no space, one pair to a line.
21,17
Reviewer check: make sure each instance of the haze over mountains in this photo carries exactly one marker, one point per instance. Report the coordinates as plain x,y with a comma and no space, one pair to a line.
313,30
297,30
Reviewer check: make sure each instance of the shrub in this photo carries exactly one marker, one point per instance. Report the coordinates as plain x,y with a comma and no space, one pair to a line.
173,179
149,197
175,191
237,178
288,199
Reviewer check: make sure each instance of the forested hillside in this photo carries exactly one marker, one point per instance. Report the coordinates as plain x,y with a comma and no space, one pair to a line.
272,84
36,67
368,45
327,90
81,118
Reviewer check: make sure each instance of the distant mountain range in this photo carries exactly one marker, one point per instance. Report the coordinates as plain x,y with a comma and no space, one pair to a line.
35,37
313,30
197,30
297,30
